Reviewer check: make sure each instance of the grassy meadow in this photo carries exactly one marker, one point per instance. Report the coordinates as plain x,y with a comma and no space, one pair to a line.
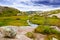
14,21
14,17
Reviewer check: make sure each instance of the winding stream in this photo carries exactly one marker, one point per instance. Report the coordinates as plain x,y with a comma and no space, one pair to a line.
31,24
35,25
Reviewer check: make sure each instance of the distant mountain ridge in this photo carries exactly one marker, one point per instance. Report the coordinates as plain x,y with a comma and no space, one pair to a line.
9,11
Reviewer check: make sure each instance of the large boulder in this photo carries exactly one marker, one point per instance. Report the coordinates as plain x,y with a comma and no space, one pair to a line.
9,32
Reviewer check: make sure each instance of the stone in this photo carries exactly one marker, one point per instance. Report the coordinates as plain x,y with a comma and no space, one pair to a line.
9,32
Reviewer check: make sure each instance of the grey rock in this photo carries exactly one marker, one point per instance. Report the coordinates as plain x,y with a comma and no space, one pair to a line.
9,32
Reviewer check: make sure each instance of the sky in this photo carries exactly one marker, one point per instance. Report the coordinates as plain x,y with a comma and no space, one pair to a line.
32,5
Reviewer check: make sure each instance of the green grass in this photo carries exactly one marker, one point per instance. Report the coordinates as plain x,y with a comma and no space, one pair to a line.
9,17
45,29
41,20
37,20
30,34
14,21
8,11
45,24
48,31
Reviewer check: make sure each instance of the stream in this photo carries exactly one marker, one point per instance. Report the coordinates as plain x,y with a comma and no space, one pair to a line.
35,25
31,24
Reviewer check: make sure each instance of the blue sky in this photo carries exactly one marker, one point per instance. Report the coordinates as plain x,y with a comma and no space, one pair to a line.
32,5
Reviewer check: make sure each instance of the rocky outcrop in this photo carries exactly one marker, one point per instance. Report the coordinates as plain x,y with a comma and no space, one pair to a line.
19,30
8,32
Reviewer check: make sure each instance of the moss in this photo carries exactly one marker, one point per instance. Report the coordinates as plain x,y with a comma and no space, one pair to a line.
30,34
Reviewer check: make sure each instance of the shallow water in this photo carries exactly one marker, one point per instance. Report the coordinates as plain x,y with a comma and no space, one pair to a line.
31,24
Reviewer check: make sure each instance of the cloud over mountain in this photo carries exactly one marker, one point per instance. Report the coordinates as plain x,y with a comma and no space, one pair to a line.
26,5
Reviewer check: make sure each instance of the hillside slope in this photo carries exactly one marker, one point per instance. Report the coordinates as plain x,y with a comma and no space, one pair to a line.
8,11
11,16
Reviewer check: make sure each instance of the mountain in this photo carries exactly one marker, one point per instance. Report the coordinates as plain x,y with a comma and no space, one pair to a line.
8,11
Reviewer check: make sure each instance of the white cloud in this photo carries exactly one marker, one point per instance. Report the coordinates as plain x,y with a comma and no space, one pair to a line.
24,7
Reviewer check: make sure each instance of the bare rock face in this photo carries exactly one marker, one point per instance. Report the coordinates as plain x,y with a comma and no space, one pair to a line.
8,32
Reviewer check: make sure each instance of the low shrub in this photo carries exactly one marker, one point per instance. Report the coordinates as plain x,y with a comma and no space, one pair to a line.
30,35
46,30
